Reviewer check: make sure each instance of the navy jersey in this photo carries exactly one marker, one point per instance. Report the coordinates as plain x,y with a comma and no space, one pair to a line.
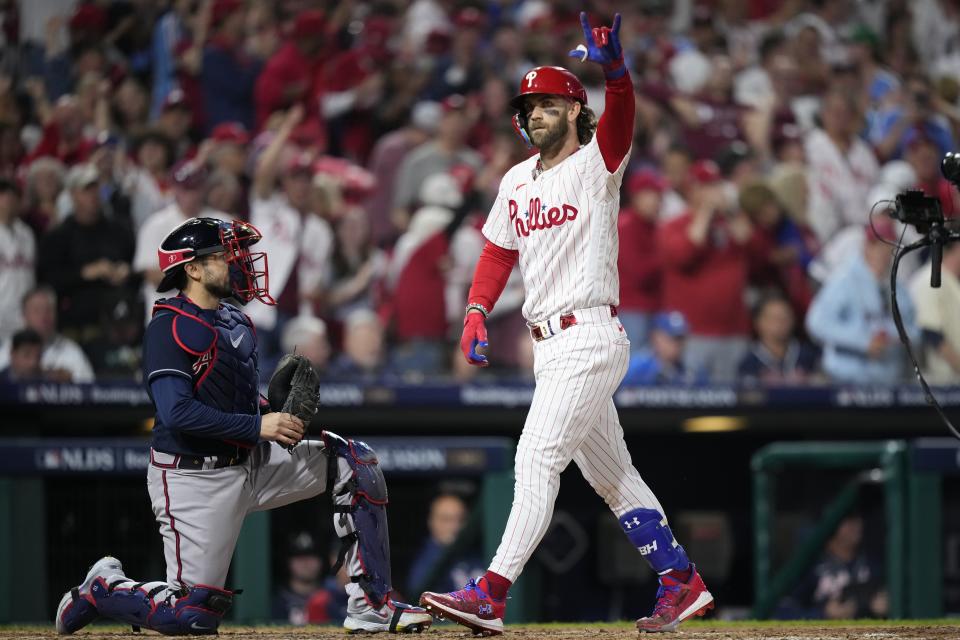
200,368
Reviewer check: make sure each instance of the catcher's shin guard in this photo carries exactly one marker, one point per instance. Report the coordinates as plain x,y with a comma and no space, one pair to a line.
197,610
360,516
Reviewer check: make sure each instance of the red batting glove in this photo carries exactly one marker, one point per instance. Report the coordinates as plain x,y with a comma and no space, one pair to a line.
474,335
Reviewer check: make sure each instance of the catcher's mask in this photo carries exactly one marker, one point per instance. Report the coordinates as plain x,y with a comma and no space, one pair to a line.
198,237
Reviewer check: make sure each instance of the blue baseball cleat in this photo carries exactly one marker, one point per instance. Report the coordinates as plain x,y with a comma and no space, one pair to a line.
77,608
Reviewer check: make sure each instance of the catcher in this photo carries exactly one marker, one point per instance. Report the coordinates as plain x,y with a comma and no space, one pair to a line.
220,451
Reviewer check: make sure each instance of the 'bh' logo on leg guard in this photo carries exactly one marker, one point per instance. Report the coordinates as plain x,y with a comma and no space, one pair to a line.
647,549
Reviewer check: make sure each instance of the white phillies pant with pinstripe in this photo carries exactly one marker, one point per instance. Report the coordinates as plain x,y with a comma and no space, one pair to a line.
572,417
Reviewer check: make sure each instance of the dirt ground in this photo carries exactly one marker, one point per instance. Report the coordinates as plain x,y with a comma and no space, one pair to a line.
703,631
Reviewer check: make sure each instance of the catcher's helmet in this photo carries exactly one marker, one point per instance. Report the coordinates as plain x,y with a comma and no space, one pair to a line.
198,237
545,80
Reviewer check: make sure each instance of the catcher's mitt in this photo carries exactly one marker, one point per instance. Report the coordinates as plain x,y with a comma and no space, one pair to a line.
294,388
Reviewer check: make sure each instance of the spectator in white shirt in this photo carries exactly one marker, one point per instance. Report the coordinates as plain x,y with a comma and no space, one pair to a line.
148,184
938,314
297,239
62,360
190,181
842,167
17,258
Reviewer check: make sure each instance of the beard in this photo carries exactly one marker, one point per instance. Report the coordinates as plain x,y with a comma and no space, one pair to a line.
221,289
547,138
218,289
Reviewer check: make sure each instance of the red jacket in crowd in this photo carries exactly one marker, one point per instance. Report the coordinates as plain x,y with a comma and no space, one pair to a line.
638,263
288,67
706,283
419,309
69,154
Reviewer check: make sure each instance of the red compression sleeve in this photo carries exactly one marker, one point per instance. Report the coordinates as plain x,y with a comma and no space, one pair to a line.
493,270
615,129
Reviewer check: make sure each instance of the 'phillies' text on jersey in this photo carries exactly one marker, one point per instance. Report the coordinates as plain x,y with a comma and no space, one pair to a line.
539,216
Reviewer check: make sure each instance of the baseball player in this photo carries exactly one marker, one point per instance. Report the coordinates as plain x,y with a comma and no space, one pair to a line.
556,213
217,455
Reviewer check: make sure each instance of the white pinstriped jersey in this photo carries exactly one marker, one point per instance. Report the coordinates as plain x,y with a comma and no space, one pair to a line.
564,225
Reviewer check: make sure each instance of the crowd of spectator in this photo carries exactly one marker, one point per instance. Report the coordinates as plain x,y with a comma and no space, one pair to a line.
366,140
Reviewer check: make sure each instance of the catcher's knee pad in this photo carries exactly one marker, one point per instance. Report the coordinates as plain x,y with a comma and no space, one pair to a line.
648,531
360,516
197,611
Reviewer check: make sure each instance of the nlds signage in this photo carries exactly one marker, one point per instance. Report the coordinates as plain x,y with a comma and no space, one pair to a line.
92,459
76,459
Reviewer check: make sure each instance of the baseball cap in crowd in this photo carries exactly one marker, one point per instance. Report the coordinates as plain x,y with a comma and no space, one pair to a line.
189,174
355,182
469,18
302,544
785,133
672,323
81,175
425,115
646,180
309,24
438,40
89,17
705,172
732,155
223,9
862,34
300,163
915,136
176,99
233,132
441,190
454,102
308,133
107,139
377,31
881,228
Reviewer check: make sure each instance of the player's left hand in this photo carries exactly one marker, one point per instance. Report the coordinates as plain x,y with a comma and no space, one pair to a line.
602,43
474,336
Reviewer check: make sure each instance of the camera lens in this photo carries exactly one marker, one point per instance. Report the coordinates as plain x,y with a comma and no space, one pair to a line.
950,167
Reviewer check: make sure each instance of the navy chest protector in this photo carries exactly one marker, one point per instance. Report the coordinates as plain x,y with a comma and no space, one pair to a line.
224,354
